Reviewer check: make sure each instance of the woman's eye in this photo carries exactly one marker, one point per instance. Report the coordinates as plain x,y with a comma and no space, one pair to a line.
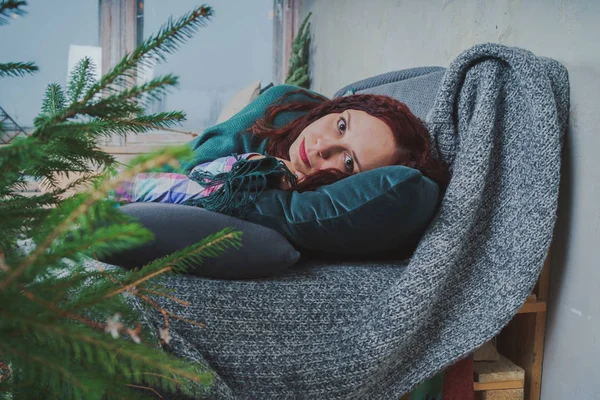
349,163
342,125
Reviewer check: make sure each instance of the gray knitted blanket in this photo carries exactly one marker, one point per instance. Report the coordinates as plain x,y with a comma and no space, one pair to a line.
344,330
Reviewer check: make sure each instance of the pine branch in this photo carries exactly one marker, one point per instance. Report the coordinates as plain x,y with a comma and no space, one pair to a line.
19,151
54,306
298,69
167,313
17,69
21,213
104,109
83,204
53,371
178,262
14,159
122,360
13,181
62,154
106,127
8,8
82,78
54,100
86,179
156,47
75,349
161,121
211,246
130,100
69,154
152,51
136,353
99,242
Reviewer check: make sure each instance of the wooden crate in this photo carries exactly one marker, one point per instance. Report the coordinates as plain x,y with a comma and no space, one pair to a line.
505,394
522,340
502,370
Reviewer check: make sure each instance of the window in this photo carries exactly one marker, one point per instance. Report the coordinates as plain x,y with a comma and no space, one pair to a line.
233,50
54,35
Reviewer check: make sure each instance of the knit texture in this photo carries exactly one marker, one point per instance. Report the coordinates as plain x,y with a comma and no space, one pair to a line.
360,330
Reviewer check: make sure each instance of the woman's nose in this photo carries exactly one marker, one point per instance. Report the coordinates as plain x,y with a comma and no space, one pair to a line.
325,148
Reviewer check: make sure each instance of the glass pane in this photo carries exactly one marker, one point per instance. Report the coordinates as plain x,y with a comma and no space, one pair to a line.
54,34
232,51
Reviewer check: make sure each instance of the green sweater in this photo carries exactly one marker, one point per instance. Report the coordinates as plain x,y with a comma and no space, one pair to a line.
230,137
247,179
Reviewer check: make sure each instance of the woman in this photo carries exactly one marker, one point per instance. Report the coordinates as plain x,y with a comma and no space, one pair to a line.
344,136
294,140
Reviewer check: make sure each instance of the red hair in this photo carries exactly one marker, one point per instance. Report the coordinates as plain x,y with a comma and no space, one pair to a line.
411,135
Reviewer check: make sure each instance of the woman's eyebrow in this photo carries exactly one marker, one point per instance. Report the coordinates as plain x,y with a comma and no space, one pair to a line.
353,153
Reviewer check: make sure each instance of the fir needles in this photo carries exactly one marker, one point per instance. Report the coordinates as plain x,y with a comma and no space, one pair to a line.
69,328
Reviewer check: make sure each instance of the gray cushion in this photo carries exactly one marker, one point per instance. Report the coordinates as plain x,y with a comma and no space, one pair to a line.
264,252
416,87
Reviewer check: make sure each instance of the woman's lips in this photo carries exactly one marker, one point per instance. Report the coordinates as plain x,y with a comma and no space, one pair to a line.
303,155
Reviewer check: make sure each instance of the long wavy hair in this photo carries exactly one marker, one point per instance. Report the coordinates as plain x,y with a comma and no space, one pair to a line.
411,135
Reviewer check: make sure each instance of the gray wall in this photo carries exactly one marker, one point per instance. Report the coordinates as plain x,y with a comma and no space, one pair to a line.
356,39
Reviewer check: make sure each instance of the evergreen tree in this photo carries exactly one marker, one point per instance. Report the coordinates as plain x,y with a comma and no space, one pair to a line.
298,70
67,327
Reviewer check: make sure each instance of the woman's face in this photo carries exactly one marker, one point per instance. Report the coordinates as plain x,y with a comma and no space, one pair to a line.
351,141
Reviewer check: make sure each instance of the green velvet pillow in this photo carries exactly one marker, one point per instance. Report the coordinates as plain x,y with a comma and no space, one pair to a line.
382,210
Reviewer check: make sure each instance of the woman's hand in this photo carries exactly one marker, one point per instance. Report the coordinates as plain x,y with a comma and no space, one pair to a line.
284,184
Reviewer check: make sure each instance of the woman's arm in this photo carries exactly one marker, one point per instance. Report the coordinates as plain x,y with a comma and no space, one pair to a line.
285,185
231,136
160,187
164,187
